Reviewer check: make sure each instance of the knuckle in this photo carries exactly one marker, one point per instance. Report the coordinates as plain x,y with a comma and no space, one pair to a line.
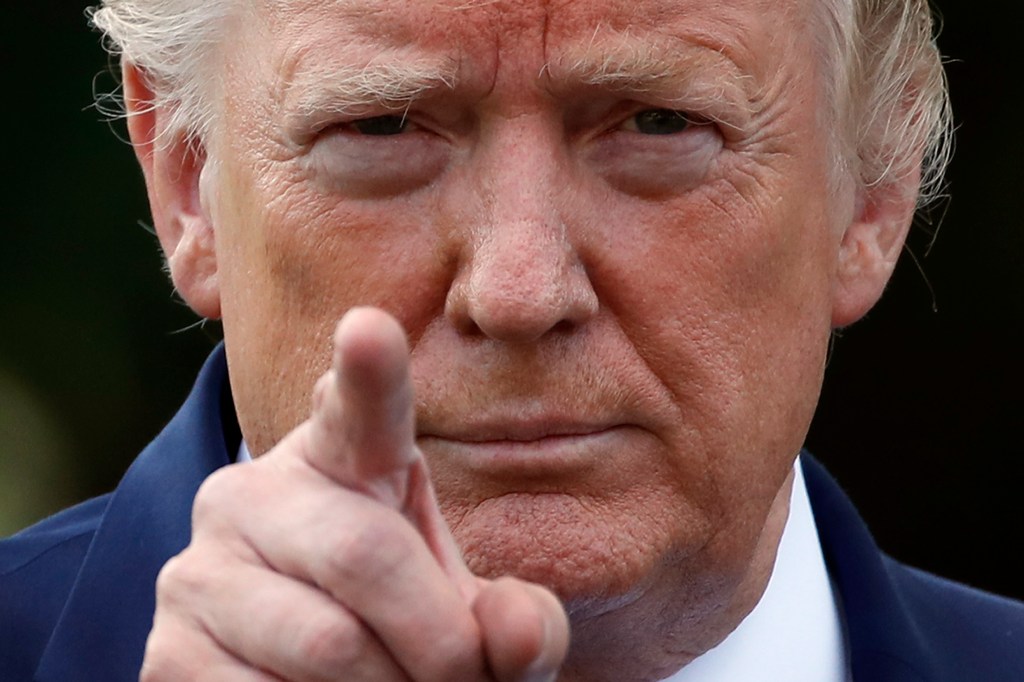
331,644
178,581
227,495
456,654
171,575
368,553
219,492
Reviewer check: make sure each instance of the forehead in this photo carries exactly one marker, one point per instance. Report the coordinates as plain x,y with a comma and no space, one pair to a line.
407,20
482,40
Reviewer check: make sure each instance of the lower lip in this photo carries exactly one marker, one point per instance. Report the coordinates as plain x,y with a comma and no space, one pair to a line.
532,457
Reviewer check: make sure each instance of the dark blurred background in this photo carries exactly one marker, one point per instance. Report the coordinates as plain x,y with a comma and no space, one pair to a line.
921,414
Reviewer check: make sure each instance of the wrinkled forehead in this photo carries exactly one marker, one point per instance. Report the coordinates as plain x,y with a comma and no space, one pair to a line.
490,22
483,42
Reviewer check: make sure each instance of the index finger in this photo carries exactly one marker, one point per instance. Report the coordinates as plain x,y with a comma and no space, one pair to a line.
362,431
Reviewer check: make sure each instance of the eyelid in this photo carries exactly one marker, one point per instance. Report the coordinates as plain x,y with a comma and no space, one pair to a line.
629,122
406,124
301,130
347,126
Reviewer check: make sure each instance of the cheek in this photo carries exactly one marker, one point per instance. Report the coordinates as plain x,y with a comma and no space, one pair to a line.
317,254
292,261
731,311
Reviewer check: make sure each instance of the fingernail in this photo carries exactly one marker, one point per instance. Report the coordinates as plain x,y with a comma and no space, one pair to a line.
540,670
540,676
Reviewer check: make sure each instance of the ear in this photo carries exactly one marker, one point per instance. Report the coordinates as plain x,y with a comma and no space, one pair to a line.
173,165
870,246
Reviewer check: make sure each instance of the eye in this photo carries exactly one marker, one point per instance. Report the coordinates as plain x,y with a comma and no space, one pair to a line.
381,125
377,156
658,122
655,151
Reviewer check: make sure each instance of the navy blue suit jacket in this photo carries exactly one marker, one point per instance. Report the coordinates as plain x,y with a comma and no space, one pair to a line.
77,590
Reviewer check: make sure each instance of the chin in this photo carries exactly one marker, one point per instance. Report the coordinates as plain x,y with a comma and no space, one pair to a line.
592,553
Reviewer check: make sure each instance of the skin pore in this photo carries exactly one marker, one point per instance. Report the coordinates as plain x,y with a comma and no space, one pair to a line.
611,234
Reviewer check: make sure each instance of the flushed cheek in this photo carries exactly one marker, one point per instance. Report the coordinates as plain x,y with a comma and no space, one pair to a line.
754,320
294,261
323,254
741,250
730,311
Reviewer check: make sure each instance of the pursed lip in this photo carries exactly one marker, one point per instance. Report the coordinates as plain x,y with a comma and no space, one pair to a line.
533,430
533,447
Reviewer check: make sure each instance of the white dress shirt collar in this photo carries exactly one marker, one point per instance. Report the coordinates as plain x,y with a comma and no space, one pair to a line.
795,632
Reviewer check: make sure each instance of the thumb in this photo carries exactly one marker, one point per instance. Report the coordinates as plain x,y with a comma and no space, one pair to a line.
525,628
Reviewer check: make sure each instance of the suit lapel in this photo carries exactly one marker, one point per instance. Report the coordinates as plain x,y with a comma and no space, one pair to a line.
108,615
885,645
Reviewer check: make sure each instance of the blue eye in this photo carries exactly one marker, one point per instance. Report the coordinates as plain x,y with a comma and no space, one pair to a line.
658,122
381,125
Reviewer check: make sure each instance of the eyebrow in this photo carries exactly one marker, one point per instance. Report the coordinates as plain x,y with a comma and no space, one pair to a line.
693,73
321,93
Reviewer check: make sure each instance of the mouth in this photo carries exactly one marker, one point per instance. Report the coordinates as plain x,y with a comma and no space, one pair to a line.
525,431
535,448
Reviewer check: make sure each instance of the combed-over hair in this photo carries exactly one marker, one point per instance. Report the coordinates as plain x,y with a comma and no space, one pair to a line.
172,41
886,88
888,92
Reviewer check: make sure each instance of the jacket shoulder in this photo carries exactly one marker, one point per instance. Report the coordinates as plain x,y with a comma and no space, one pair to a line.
968,630
904,624
38,567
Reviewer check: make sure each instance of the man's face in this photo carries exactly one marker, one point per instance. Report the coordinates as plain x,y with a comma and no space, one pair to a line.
618,314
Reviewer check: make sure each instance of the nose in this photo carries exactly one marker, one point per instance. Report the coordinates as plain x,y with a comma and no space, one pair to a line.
521,275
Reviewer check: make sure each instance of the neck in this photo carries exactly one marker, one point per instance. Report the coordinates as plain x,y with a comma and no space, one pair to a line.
676,618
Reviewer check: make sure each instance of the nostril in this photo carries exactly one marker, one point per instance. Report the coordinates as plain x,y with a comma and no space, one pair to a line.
564,327
467,326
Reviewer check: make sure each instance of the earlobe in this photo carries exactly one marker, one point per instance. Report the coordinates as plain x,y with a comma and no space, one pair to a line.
870,247
174,166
